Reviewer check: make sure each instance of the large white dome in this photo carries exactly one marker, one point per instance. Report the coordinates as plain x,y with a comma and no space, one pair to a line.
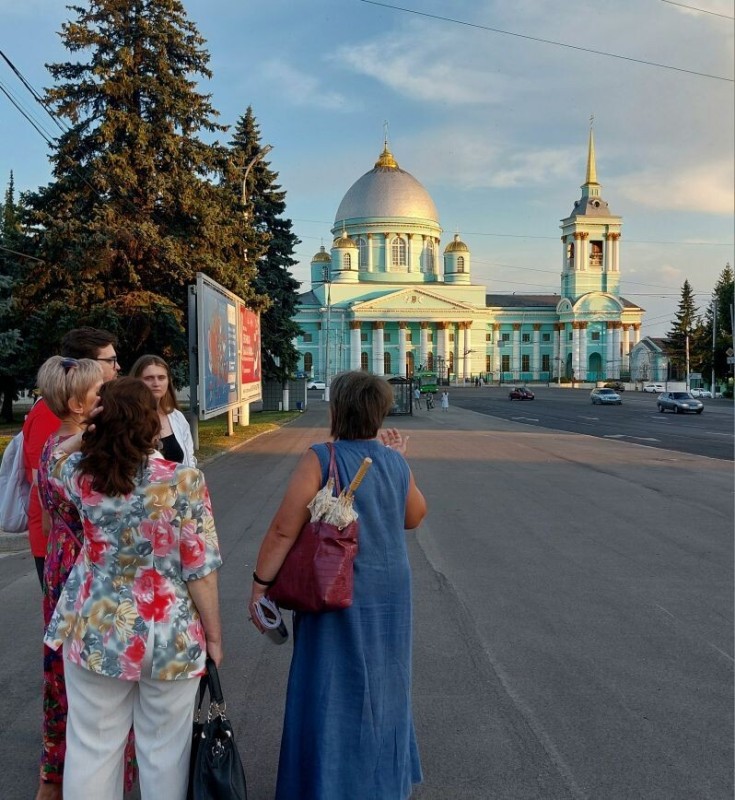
386,191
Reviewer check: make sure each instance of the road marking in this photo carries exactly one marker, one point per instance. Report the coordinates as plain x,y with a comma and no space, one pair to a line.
626,436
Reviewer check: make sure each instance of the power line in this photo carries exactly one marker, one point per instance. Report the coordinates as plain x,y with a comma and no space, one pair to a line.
694,8
36,96
548,41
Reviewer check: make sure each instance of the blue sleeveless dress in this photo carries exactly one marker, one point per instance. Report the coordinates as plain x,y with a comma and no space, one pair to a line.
348,730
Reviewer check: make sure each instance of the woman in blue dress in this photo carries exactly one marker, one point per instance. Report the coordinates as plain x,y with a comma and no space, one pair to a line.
348,729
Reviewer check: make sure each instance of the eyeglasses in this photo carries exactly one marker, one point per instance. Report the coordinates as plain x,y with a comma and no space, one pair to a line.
69,363
111,360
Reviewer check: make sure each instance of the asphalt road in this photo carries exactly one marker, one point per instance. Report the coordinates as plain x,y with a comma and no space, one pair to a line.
636,420
573,614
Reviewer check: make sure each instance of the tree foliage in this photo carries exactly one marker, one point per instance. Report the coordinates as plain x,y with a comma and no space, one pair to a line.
136,206
265,204
687,325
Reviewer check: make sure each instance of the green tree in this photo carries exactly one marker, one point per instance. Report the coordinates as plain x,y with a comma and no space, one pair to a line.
136,207
11,267
265,203
686,325
718,314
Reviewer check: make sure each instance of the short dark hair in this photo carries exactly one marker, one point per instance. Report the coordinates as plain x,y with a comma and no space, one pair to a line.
125,433
86,342
168,401
358,402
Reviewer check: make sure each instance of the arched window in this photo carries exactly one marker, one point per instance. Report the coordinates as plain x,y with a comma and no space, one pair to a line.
308,362
451,362
386,364
347,261
362,244
398,252
429,256
364,361
570,254
430,362
460,263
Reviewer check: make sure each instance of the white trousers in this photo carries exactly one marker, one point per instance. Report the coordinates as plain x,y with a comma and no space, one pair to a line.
101,711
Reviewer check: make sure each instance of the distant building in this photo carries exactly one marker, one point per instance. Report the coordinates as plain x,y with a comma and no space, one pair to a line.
385,299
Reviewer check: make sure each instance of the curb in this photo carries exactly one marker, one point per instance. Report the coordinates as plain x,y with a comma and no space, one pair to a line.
13,542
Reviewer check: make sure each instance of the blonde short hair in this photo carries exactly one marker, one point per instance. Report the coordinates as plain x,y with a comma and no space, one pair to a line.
63,379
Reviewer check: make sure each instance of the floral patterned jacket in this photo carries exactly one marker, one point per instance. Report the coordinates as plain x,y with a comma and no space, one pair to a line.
139,551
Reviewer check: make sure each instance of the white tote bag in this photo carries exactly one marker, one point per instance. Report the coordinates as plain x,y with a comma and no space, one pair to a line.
14,488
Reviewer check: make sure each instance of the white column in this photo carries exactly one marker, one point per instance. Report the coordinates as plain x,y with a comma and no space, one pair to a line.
465,348
626,349
607,257
371,262
616,352
610,352
515,366
584,241
582,375
321,365
636,334
577,252
575,351
386,253
355,342
536,357
378,349
401,349
424,352
409,253
556,366
616,256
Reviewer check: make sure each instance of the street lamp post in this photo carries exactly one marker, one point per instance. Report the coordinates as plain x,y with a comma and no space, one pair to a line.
328,283
244,196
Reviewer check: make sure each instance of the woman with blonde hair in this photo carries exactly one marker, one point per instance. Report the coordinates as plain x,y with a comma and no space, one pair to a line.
176,443
69,387
140,612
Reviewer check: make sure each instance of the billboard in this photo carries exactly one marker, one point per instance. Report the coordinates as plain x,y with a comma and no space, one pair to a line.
227,350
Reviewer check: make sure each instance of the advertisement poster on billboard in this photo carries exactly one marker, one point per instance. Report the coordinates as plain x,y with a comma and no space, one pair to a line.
250,376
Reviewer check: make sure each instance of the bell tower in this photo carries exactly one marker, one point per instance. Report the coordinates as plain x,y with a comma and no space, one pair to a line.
590,240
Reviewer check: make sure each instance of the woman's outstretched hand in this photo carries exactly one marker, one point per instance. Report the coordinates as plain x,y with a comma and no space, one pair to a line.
392,438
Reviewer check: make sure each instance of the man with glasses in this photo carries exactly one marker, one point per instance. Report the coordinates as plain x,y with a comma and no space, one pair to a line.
41,423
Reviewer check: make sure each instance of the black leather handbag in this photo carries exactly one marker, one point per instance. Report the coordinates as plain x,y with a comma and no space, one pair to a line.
215,769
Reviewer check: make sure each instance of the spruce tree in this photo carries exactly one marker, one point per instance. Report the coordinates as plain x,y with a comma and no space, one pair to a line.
265,205
136,206
722,301
11,265
686,324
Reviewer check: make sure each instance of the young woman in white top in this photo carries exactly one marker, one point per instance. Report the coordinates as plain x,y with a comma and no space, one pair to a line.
176,442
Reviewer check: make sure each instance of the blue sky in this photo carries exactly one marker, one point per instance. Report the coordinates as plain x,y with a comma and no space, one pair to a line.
495,126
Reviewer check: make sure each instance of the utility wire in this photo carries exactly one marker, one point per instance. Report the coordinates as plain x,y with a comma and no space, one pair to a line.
36,96
694,8
24,255
36,125
548,41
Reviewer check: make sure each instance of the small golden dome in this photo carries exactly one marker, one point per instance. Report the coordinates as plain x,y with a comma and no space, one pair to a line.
456,246
386,159
344,241
322,255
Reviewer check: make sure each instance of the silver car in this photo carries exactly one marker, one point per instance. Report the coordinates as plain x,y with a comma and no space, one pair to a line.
605,396
679,403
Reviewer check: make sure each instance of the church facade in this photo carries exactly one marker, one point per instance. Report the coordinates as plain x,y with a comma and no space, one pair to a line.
386,299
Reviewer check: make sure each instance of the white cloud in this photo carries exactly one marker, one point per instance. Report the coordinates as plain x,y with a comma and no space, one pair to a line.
302,89
704,188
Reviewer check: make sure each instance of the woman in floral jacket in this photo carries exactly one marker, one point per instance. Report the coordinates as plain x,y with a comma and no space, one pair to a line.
139,612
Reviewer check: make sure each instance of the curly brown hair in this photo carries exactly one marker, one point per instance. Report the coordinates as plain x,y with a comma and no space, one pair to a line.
124,434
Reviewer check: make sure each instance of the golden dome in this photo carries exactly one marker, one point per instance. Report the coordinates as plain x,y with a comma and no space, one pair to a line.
344,241
322,255
386,159
386,192
456,246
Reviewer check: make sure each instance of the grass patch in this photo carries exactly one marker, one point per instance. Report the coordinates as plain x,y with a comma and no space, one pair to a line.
213,438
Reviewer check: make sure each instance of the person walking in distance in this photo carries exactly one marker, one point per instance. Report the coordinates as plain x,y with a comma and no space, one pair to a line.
445,400
417,397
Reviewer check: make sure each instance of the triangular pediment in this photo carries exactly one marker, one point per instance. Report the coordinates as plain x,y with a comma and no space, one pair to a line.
419,300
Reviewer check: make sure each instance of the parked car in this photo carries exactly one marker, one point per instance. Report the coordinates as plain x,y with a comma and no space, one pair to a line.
605,396
520,393
617,386
654,388
679,403
701,393
316,385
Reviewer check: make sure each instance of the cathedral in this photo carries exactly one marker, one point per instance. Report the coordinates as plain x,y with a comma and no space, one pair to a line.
386,299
